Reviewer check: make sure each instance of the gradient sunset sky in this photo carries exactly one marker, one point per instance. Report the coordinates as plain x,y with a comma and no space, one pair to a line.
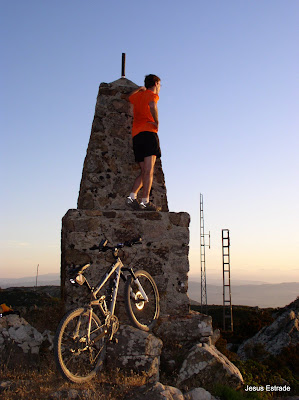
228,121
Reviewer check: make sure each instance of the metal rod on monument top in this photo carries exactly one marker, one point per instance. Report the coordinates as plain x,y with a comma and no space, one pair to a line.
123,65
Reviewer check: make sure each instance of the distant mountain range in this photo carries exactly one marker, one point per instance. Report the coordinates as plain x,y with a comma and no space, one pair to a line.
262,295
42,280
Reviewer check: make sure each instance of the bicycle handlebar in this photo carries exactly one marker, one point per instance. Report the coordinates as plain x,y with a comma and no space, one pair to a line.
103,244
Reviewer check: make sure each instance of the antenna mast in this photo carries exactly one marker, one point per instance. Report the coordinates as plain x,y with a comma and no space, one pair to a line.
123,65
203,286
36,275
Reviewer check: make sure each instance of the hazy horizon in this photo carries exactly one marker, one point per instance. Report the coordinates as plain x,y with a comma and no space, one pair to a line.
191,277
243,293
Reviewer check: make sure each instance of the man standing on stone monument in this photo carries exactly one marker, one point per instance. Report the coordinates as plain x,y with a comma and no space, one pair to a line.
146,144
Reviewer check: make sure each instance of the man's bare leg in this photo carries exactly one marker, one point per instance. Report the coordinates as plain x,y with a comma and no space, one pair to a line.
138,181
132,201
147,177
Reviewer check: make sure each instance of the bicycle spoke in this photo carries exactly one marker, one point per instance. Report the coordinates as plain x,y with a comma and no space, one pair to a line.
76,358
142,313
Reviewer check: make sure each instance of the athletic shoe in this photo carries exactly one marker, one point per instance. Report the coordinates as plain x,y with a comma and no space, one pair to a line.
149,206
132,203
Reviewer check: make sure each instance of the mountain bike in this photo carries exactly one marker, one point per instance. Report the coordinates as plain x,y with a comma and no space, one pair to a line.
82,334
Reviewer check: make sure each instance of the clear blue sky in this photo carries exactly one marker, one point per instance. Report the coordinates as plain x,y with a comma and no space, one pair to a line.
228,121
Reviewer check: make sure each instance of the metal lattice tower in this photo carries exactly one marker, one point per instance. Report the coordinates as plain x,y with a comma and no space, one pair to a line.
227,298
203,286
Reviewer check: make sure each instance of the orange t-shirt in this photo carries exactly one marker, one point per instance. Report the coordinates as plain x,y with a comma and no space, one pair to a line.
143,119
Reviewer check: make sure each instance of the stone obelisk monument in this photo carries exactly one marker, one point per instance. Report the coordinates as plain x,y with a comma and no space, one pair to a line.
108,174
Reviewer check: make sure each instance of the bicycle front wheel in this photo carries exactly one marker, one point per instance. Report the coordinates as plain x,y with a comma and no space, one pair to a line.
77,358
143,314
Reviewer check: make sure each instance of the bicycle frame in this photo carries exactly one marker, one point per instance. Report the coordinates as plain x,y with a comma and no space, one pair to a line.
116,267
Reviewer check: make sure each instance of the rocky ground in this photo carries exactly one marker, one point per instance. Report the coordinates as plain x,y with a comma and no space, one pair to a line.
28,370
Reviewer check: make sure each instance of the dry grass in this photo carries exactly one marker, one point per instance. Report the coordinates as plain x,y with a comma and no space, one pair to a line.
41,384
41,379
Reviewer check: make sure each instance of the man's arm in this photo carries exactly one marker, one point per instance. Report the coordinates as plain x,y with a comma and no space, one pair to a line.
154,111
126,96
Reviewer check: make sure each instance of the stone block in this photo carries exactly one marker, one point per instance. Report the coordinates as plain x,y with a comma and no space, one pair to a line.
164,252
137,351
192,327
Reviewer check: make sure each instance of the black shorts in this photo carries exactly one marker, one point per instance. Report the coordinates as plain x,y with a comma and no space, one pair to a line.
146,144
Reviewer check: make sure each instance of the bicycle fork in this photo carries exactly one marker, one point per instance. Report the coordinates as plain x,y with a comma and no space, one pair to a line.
141,290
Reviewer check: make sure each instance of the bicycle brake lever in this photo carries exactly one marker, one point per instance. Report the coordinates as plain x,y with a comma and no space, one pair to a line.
130,243
101,246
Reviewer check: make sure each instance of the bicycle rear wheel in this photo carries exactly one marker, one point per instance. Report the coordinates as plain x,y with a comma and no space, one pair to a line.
143,315
77,360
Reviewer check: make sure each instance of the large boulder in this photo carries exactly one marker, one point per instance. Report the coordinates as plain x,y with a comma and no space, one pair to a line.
198,394
19,341
282,333
179,335
136,351
158,391
205,365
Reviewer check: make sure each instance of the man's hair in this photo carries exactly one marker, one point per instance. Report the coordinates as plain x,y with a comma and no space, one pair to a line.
150,80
